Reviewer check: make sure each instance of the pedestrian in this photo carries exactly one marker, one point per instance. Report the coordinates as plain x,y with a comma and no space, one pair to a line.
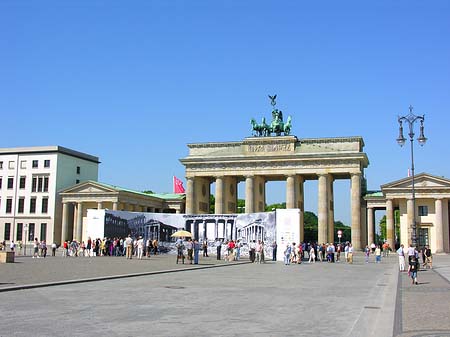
180,250
238,250
43,248
274,251
258,250
36,249
155,246
149,247
367,253
411,252
54,249
190,250
350,253
218,248
401,257
378,254
12,246
428,258
205,247
413,269
129,245
140,248
252,253
312,255
196,251
287,255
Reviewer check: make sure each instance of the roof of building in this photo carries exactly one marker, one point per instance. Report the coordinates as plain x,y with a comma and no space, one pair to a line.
374,194
49,149
165,196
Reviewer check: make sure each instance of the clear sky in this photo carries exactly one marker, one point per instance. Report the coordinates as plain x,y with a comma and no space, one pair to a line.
133,82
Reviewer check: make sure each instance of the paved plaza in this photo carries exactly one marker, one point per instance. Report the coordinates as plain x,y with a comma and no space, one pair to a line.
113,296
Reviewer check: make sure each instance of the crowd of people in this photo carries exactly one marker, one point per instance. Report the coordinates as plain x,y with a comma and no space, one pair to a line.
129,247
315,252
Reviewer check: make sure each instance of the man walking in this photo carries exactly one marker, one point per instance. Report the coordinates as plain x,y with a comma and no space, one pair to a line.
129,245
401,258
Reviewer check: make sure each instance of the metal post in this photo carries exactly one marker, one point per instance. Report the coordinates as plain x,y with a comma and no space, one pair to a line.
411,119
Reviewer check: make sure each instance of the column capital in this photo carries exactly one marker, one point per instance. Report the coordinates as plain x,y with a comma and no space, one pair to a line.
352,174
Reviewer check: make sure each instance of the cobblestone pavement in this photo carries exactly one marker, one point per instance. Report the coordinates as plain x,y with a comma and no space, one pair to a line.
160,298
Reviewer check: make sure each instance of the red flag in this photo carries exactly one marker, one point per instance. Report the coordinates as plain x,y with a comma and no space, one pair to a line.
409,172
177,185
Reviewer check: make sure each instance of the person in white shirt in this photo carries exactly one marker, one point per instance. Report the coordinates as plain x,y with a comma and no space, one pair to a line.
129,245
140,248
401,258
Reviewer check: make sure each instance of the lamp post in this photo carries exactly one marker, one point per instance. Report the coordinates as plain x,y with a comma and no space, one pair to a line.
410,119
25,229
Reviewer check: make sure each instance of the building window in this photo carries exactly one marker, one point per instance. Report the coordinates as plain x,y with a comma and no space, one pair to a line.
44,205
8,205
45,184
43,235
78,170
423,210
11,165
1,164
19,232
77,181
40,180
22,182
10,183
7,234
21,205
0,183
30,232
33,205
23,164
39,184
47,163
34,164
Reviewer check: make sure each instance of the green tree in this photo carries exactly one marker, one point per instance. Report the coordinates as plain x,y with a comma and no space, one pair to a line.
148,192
270,208
310,226
212,204
382,236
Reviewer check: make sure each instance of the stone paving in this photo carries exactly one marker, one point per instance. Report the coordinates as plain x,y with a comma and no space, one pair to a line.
42,297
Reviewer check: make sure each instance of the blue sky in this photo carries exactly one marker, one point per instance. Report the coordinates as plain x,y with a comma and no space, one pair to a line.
134,82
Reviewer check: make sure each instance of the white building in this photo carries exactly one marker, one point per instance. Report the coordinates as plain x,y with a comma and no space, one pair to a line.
30,179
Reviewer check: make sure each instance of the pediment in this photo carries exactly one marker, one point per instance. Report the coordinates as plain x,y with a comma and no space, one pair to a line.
89,187
421,181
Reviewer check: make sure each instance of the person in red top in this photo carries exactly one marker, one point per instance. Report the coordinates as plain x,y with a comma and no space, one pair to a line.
231,246
66,249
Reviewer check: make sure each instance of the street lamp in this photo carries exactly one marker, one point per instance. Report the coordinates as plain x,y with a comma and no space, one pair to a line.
25,229
410,119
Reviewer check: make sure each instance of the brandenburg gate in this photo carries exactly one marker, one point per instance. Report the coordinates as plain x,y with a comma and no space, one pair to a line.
262,158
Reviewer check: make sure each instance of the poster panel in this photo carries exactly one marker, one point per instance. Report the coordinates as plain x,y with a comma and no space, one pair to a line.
288,229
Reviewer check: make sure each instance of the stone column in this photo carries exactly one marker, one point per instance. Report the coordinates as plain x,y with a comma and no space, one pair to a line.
190,197
218,206
409,217
249,195
390,231
301,207
115,206
330,209
439,226
65,222
356,210
79,221
290,192
323,209
99,205
370,225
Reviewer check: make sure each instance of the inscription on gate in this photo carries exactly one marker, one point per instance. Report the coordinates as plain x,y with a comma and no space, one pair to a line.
270,147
